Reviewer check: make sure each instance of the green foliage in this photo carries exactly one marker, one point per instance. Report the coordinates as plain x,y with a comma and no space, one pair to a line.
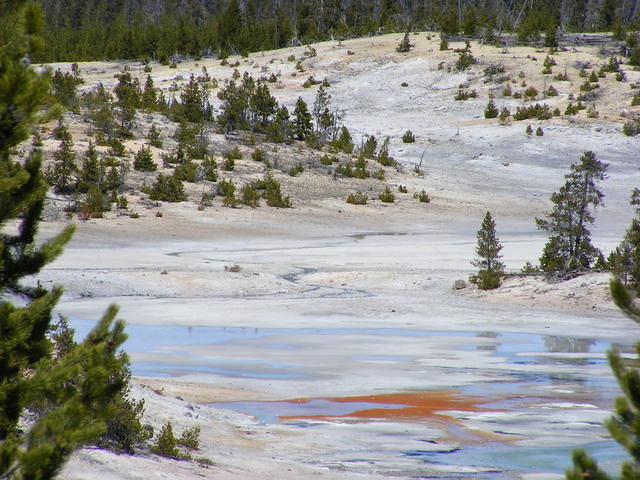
296,169
97,201
624,261
444,44
190,438
631,128
167,188
343,143
369,147
153,137
187,172
539,132
143,160
491,111
387,196
166,444
465,60
357,169
250,196
357,198
64,89
272,192
539,111
422,196
61,173
383,156
225,187
464,94
258,155
194,103
530,93
529,130
569,249
408,137
127,93
488,258
208,169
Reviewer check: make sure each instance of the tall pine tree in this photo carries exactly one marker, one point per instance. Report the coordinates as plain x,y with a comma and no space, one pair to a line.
491,268
81,386
569,249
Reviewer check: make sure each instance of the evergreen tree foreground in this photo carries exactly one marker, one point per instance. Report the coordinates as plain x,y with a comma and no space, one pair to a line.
82,386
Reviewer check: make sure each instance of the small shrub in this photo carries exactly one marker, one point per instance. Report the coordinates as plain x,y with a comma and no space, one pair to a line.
229,164
551,91
529,130
444,43
404,84
208,169
328,160
464,94
631,128
408,137
465,60
234,154
422,196
593,77
539,132
258,155
539,111
143,160
187,172
166,444
562,77
506,91
273,194
387,196
530,93
190,438
167,188
491,111
402,189
635,101
357,198
621,76
249,196
592,112
295,170
224,187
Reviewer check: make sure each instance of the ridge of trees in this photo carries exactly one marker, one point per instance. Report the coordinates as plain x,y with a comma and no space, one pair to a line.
79,30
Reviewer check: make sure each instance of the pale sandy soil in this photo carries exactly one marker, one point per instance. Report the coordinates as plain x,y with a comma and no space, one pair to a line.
329,265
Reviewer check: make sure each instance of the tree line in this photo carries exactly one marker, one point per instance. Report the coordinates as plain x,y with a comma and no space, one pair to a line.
79,30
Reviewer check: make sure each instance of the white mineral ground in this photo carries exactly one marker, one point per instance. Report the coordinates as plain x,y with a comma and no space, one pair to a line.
328,265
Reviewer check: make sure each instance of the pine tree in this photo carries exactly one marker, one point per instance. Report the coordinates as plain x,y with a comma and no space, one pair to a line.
569,249
491,111
80,386
61,173
149,100
624,261
127,101
91,171
491,268
143,160
301,123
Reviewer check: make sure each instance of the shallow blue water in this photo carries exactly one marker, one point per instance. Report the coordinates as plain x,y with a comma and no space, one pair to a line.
505,458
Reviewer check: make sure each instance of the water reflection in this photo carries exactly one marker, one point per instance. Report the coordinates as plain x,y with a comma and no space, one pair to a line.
555,344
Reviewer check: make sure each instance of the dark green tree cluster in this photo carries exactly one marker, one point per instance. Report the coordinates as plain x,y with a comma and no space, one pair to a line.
161,29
